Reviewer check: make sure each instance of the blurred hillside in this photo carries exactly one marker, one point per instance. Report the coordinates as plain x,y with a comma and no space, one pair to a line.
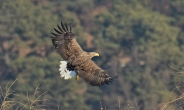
136,39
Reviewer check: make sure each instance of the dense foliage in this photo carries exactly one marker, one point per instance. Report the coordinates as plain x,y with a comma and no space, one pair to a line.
136,39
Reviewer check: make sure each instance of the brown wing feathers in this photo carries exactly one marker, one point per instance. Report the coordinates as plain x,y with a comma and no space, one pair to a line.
62,30
92,74
58,37
95,80
64,41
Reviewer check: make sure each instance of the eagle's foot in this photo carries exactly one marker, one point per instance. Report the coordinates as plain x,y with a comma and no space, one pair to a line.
76,77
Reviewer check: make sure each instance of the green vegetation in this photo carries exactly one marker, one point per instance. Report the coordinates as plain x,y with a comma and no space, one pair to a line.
137,39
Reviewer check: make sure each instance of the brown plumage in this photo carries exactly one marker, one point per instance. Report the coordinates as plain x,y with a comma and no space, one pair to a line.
78,60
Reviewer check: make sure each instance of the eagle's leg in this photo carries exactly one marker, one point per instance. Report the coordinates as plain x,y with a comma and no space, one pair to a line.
76,77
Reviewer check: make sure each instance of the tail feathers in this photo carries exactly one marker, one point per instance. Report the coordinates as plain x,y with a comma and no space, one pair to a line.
64,72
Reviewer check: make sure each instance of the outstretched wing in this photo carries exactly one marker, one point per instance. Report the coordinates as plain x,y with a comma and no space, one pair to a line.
93,74
65,42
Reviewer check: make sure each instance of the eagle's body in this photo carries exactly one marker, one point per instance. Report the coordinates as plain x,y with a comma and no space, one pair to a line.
77,61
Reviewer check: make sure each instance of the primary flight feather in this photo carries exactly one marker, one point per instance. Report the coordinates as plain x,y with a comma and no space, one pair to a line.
77,62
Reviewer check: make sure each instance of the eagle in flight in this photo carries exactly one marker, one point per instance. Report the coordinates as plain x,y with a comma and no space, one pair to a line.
76,61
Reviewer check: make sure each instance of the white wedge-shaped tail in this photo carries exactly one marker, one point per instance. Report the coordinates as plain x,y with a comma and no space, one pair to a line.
65,73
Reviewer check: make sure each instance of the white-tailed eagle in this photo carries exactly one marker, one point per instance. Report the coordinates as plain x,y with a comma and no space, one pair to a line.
77,62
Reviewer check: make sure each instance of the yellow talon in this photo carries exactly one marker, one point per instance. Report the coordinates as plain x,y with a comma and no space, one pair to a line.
77,77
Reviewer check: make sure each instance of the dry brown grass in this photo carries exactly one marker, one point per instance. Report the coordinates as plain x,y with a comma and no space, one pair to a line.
174,102
33,102
7,103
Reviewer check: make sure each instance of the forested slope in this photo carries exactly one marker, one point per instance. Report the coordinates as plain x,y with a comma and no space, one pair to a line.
136,39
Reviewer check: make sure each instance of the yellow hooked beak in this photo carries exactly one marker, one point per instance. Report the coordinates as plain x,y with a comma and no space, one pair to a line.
97,54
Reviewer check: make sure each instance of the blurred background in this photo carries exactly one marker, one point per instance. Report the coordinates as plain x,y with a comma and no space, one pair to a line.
139,40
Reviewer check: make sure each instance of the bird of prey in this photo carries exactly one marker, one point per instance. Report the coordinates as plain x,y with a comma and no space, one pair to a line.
77,62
